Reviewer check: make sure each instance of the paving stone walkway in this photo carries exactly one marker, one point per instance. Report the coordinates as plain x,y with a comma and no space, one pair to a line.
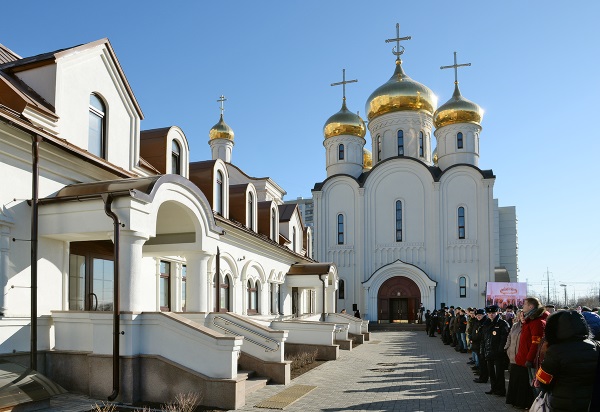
405,371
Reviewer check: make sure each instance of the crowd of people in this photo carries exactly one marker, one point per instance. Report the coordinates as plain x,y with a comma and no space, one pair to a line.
548,352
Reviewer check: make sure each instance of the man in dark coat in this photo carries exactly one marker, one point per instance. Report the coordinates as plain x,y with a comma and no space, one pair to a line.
433,320
427,321
481,323
494,340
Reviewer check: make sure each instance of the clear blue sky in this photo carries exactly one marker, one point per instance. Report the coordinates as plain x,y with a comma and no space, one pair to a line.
534,71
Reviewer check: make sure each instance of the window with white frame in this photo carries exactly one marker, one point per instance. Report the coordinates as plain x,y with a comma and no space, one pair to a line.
398,221
219,193
421,144
341,152
462,286
459,140
252,288
340,229
400,143
250,218
97,127
461,222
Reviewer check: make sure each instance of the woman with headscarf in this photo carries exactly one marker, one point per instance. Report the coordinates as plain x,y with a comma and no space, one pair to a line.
568,371
519,393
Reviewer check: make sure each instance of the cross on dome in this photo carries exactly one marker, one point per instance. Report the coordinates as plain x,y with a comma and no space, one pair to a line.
396,50
455,66
222,100
344,82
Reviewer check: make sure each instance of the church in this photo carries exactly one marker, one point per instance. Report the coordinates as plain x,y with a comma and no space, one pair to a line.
406,223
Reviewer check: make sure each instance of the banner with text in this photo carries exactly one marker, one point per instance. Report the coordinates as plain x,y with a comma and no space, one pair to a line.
506,293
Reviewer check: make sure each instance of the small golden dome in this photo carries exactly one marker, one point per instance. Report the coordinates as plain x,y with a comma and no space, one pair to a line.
457,110
400,93
344,122
435,157
367,159
221,131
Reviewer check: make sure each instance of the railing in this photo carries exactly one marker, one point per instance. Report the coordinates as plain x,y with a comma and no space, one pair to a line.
262,345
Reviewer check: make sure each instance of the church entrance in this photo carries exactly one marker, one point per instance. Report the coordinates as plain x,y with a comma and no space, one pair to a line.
398,300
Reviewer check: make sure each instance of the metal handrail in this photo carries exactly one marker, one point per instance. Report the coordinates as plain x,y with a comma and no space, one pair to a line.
267,348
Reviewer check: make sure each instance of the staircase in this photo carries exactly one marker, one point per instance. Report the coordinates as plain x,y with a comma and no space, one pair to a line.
253,382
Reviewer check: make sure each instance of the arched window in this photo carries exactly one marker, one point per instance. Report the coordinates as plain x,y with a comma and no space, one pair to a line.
461,222
462,286
273,225
378,148
342,289
175,158
294,238
400,143
398,221
221,293
309,245
219,193
97,127
252,298
421,143
459,140
250,219
341,152
340,229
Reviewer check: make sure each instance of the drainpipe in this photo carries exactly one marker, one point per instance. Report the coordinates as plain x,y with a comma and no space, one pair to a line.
35,180
323,314
107,198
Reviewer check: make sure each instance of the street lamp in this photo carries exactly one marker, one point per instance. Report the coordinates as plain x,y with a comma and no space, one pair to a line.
565,288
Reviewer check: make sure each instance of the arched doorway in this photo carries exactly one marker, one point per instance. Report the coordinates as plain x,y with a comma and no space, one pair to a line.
398,300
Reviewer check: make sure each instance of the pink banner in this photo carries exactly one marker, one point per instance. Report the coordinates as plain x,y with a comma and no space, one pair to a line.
506,293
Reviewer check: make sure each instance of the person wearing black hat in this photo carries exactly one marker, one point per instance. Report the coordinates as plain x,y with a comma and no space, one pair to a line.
494,340
477,346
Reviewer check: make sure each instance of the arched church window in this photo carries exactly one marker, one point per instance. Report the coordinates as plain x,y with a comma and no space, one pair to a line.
398,221
175,158
341,152
421,143
252,297
97,127
340,229
273,225
221,293
462,286
459,140
250,219
461,222
378,148
219,193
342,289
400,143
294,238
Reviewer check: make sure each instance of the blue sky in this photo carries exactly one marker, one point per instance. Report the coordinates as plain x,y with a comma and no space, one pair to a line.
534,71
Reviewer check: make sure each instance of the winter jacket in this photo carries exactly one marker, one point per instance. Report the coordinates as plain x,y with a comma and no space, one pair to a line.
593,321
477,336
461,322
494,338
569,367
532,332
512,342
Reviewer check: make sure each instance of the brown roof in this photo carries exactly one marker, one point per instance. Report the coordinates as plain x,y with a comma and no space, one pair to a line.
17,96
7,55
310,268
286,211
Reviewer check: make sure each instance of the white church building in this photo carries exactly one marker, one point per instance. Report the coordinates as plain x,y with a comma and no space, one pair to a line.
406,223
129,272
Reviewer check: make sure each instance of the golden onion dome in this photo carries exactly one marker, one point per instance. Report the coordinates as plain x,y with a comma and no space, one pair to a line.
457,110
367,159
400,93
344,122
435,157
221,131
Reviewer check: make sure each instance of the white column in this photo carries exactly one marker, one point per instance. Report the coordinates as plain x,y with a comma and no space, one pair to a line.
131,275
197,286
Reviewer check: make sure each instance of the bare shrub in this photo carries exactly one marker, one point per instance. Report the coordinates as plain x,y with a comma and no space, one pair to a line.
301,359
184,402
105,407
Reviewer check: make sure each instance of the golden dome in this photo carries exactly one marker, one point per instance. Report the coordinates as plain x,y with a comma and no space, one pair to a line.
344,122
367,159
400,93
435,157
221,131
457,110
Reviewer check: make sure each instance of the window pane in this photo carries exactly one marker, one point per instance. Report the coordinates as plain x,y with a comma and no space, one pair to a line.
76,282
219,193
96,103
163,295
102,283
95,134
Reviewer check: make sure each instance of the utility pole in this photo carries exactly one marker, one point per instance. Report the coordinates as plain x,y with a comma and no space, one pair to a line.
548,278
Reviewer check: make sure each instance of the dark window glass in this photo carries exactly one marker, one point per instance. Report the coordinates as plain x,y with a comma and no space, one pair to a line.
341,152
340,229
252,298
462,285
97,127
224,294
183,286
378,148
400,143
459,140
164,293
250,219
175,158
273,225
342,289
461,222
398,221
421,143
219,194
294,238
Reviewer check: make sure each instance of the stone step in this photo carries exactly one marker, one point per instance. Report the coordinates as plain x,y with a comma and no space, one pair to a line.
255,383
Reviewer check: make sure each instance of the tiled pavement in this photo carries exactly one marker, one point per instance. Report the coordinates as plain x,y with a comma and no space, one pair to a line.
405,371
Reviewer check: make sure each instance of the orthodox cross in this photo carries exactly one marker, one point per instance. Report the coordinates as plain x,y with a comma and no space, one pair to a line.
396,50
221,100
344,82
455,66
